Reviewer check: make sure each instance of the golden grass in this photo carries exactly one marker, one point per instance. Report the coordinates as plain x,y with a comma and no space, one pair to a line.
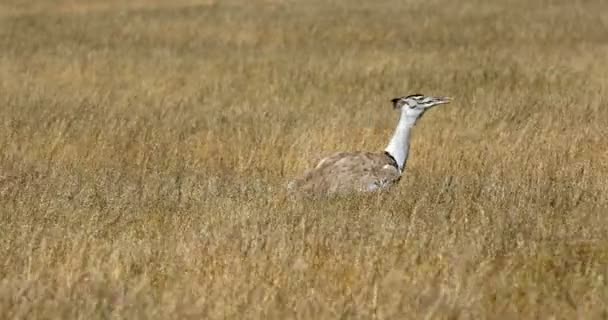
144,151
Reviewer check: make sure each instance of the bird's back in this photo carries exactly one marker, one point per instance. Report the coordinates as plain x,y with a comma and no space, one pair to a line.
347,172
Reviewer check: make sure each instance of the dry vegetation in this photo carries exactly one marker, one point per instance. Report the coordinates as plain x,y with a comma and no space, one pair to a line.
144,149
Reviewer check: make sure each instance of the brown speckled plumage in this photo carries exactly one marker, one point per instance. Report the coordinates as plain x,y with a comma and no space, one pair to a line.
349,172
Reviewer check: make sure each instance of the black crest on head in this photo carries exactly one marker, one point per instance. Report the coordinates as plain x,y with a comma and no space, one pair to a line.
416,95
397,102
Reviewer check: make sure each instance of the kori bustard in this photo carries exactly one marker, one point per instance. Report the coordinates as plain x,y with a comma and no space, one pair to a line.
349,172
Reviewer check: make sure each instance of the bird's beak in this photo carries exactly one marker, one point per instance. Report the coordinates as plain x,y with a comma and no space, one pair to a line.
442,100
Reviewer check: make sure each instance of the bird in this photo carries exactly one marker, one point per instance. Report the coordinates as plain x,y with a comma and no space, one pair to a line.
368,172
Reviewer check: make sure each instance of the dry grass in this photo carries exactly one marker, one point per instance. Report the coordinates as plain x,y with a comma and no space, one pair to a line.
144,149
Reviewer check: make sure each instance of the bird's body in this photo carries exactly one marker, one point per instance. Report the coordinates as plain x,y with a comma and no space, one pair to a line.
348,172
355,172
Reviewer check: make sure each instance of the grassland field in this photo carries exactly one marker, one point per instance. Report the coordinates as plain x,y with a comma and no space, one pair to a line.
145,147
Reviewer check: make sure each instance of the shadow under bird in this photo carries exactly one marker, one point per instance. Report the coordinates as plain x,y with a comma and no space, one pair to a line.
356,172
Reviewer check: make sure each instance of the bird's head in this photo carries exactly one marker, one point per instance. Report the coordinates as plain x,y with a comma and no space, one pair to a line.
416,105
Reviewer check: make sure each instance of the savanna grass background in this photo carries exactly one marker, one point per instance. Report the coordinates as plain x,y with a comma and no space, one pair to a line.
145,147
